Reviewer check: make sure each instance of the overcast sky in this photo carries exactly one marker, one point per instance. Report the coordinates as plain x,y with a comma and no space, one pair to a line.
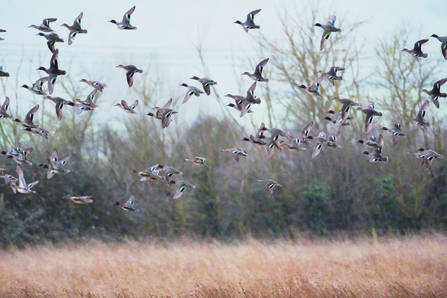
167,34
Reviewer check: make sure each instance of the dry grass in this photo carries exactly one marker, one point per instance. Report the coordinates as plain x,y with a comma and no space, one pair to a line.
407,267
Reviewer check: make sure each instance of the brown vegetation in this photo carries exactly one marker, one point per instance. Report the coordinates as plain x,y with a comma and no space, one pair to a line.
406,267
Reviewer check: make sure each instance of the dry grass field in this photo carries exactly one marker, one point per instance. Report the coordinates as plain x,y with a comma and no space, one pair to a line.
405,267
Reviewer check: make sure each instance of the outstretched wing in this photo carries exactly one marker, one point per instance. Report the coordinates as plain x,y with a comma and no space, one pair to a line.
126,17
22,182
30,114
261,65
5,105
419,43
77,21
130,202
423,111
251,16
168,104
134,105
53,158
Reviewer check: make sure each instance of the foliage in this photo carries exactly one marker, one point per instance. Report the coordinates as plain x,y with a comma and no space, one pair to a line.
337,191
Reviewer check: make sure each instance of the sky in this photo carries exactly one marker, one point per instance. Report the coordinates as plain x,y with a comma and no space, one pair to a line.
165,41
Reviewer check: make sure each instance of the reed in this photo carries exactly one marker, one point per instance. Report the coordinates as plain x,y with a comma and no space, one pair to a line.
399,267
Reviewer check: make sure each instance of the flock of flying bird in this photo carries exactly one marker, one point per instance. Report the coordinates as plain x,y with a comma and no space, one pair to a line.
270,137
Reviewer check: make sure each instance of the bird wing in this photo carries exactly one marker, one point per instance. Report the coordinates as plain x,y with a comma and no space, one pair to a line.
31,185
381,143
444,50
124,104
438,84
260,66
307,128
59,106
168,104
5,104
30,114
180,190
64,161
188,95
332,20
251,16
317,149
419,43
53,61
77,21
324,37
130,202
126,17
129,77
46,22
206,88
22,182
423,111
134,105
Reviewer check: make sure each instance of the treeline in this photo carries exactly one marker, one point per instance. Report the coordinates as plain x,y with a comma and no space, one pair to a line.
339,191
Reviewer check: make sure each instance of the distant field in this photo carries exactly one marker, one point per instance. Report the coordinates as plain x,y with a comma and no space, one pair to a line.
406,267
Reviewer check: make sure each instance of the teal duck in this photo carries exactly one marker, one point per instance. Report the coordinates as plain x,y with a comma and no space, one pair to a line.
75,29
420,117
87,104
55,165
270,185
396,131
95,84
320,140
427,156
182,185
250,22
206,84
169,173
131,70
191,91
164,114
443,40
304,137
313,89
257,74
126,108
377,154
52,38
53,71
45,26
19,155
236,152
151,173
125,23
4,109
128,205
22,187
198,161
435,93
331,75
37,87
370,113
416,52
60,102
79,200
347,105
28,122
327,30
